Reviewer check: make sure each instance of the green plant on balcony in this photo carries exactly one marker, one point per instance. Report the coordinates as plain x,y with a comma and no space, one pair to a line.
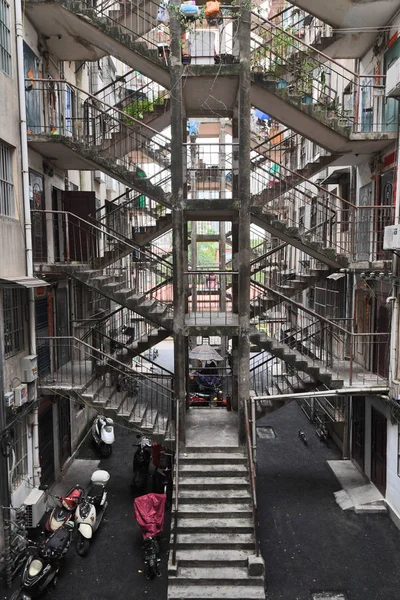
139,107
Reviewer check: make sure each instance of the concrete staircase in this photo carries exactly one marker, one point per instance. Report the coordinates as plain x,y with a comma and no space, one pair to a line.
215,534
289,180
315,368
93,155
111,287
302,281
293,236
127,408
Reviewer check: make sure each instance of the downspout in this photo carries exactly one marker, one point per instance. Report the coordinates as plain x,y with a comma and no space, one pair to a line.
395,268
19,30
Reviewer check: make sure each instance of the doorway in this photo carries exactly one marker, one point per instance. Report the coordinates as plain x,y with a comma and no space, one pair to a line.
378,450
46,442
358,431
64,429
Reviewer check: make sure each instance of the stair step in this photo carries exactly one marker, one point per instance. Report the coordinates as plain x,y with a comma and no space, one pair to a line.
220,511
201,592
226,575
212,458
212,557
215,450
136,416
215,540
210,525
213,482
235,496
212,470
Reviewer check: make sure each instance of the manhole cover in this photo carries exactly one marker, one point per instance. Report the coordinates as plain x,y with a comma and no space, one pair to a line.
328,596
266,433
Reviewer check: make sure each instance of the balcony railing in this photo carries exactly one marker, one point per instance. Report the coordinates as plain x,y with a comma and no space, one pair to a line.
317,79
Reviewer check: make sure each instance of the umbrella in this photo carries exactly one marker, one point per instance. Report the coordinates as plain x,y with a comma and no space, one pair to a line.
205,352
261,115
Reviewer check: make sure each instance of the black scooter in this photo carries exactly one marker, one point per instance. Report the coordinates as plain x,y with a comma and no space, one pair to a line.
42,566
141,462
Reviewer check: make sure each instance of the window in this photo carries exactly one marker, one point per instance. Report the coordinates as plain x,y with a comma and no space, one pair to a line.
18,460
5,38
13,310
6,179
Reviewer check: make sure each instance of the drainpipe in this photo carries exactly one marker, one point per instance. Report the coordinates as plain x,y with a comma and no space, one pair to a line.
395,268
19,30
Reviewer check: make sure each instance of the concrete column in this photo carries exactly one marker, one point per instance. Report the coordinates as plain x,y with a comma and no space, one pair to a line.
178,224
244,216
235,262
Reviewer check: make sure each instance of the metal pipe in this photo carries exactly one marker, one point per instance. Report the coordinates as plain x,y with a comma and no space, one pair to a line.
19,30
347,391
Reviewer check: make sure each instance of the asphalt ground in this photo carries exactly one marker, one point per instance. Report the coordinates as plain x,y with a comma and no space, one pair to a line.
309,544
113,568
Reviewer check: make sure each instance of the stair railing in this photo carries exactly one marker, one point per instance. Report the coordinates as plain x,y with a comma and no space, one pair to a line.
111,137
251,449
77,366
302,209
176,480
310,75
133,19
143,101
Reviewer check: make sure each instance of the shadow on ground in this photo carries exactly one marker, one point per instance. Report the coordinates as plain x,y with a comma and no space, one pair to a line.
114,567
309,544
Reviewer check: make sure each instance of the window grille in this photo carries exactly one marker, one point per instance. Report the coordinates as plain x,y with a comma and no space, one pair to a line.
13,311
18,460
6,178
5,37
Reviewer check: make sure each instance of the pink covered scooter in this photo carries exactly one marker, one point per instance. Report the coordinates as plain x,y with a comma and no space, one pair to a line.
149,512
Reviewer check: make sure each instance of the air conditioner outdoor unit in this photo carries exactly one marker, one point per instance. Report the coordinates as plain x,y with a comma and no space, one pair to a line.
391,239
20,394
35,507
9,399
393,80
99,176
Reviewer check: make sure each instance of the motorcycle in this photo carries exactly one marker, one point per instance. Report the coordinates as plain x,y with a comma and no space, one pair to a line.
149,512
42,566
90,511
103,434
141,462
64,512
162,478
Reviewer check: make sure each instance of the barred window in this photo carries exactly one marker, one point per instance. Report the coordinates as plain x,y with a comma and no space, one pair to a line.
6,179
5,37
19,453
13,311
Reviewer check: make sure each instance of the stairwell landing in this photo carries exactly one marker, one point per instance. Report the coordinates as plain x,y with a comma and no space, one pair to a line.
215,546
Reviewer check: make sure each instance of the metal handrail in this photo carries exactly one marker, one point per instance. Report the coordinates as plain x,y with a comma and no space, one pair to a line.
96,100
176,483
284,298
312,48
121,366
252,477
106,230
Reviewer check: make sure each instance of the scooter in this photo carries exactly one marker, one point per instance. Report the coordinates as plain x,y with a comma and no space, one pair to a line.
149,512
162,478
64,512
103,434
42,566
90,512
141,462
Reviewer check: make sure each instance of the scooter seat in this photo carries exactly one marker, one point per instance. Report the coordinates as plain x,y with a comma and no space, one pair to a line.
95,492
57,542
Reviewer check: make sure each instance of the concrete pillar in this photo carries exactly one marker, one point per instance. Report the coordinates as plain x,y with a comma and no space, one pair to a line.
178,222
244,215
235,261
